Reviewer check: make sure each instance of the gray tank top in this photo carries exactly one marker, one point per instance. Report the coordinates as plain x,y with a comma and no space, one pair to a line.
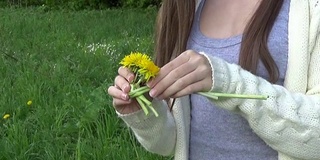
217,134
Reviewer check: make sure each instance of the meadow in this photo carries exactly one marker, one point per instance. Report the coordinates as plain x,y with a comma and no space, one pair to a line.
55,69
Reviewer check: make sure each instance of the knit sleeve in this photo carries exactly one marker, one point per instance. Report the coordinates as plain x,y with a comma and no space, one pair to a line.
156,134
288,122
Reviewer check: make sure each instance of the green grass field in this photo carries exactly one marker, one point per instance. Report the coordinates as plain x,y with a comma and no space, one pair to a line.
63,62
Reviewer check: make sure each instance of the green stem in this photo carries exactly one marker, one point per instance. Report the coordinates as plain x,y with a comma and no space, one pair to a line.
148,104
143,106
142,88
207,94
133,87
153,110
145,100
139,91
245,96
139,81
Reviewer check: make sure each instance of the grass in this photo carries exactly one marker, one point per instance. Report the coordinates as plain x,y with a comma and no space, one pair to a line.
63,62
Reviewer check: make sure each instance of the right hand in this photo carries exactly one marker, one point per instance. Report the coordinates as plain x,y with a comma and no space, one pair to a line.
120,92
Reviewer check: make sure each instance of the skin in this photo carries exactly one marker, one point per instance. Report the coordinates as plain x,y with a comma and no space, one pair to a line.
226,18
119,92
190,72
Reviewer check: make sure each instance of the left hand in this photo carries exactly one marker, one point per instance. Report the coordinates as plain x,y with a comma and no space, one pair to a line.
188,73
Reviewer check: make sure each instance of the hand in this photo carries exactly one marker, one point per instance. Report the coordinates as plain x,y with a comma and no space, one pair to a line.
188,73
120,92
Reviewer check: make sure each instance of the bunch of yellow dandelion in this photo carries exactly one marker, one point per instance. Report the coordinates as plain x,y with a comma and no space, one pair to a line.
144,69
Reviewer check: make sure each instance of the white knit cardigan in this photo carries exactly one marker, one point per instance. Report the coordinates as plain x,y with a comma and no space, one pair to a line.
288,121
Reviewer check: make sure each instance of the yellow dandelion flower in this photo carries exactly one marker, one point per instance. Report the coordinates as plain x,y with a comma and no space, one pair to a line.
6,116
149,70
134,60
131,59
128,61
29,102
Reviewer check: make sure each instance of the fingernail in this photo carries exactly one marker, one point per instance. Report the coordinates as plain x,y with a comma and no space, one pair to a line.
124,96
126,88
149,84
130,78
152,93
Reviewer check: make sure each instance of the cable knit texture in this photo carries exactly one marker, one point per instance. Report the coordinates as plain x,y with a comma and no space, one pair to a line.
288,121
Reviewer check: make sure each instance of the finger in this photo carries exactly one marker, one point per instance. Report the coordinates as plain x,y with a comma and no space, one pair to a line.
125,72
194,61
198,85
181,84
122,83
184,85
117,93
164,71
119,102
201,74
188,90
175,76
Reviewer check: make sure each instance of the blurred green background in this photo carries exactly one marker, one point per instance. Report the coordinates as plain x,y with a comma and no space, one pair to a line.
61,56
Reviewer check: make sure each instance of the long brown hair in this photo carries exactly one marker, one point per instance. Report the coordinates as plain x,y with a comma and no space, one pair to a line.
174,24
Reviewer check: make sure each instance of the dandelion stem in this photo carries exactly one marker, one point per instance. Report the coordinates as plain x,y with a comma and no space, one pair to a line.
139,91
143,106
148,104
145,100
207,94
153,110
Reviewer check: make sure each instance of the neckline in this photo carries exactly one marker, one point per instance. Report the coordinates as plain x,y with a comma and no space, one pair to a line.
206,41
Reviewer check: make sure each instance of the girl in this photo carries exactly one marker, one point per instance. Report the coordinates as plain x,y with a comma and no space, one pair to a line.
265,47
